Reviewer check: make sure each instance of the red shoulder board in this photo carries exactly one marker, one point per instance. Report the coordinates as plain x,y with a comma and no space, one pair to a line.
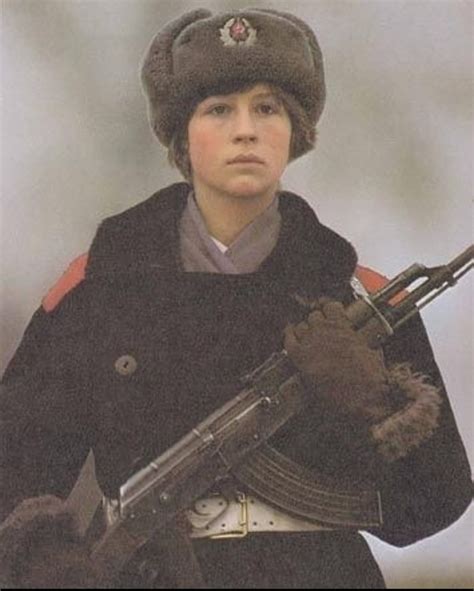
73,275
373,281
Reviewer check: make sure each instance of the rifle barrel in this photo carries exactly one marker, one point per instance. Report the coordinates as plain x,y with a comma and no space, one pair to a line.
438,280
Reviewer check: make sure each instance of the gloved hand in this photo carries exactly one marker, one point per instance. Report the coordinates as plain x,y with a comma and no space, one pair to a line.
336,361
40,548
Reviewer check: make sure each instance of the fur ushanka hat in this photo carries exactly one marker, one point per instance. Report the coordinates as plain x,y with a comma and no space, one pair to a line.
200,54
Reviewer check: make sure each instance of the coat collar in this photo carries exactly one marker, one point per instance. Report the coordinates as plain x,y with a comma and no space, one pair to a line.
144,238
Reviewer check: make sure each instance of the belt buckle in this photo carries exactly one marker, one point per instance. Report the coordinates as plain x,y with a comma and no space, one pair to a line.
243,521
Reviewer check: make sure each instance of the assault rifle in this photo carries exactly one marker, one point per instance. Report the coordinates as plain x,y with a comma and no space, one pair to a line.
232,439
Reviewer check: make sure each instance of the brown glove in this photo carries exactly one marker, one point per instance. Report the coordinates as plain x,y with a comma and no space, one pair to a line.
40,548
336,361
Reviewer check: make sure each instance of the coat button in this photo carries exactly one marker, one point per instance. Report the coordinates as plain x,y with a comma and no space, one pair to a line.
126,365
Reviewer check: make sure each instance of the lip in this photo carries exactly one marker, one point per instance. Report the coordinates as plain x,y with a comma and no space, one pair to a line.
246,159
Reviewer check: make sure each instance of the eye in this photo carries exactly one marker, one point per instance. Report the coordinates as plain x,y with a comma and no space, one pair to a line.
268,108
218,109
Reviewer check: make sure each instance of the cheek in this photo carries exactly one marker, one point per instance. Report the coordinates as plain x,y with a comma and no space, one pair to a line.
280,138
203,144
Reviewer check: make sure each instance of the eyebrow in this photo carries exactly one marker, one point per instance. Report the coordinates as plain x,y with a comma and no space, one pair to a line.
259,95
266,94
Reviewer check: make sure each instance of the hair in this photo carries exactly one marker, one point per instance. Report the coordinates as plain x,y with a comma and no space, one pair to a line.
303,134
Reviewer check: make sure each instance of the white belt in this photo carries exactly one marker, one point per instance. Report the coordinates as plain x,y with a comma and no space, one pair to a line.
217,517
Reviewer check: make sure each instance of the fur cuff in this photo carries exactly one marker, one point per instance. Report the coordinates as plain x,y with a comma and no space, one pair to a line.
415,422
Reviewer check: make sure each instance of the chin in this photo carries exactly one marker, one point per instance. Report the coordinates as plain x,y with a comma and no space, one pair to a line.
248,188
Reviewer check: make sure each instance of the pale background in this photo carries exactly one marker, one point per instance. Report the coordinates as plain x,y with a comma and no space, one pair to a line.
392,169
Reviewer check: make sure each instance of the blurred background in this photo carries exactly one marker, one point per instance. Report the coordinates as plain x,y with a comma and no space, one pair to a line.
392,170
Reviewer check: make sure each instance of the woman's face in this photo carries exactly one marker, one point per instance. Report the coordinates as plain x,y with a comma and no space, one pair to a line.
250,125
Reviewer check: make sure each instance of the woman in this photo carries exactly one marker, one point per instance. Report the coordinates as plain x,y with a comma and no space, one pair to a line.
185,293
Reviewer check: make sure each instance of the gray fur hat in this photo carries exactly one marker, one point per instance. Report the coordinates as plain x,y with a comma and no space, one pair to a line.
200,54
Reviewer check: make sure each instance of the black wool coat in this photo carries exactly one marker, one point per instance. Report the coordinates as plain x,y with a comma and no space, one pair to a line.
192,335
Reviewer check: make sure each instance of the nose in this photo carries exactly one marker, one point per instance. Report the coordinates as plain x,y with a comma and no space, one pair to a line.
245,128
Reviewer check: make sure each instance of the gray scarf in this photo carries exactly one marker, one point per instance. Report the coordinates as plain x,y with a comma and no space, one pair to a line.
200,253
